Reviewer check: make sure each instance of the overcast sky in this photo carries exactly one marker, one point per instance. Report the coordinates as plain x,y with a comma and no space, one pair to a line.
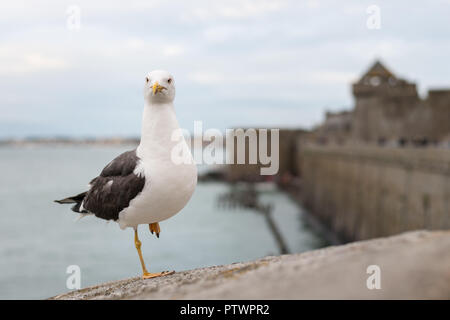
235,63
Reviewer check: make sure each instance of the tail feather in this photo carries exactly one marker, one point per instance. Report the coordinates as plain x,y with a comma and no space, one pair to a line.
74,199
78,199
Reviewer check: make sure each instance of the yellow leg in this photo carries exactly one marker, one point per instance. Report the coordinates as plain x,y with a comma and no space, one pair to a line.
145,273
154,227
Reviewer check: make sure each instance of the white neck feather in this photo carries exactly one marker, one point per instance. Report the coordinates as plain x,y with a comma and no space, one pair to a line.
158,124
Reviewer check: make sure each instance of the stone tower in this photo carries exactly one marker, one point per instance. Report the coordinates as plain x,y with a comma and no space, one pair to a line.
382,103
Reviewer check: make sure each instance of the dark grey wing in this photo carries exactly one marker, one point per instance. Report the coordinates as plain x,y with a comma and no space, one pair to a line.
122,165
115,187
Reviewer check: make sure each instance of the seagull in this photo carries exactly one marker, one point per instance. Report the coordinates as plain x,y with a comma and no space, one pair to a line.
145,185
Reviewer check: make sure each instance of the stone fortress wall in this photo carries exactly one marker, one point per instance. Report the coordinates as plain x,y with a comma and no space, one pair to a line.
367,192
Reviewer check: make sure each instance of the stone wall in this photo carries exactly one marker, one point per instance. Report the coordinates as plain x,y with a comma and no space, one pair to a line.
438,101
413,266
367,192
388,117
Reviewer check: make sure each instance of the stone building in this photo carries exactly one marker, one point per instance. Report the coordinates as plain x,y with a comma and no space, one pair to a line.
388,109
336,128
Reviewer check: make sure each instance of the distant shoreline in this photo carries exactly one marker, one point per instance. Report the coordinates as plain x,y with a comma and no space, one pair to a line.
109,141
68,141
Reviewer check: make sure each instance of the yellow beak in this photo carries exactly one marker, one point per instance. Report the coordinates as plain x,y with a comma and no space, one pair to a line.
157,88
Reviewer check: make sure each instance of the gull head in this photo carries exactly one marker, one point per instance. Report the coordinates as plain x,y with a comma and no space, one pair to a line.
159,87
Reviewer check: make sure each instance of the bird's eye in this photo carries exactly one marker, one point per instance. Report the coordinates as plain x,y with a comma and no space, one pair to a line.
147,79
169,80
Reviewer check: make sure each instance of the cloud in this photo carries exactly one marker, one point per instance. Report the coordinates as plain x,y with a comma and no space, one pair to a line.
332,77
280,61
232,9
173,50
206,78
16,61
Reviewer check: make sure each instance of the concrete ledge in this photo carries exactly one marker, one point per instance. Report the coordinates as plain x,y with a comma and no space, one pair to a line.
414,265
